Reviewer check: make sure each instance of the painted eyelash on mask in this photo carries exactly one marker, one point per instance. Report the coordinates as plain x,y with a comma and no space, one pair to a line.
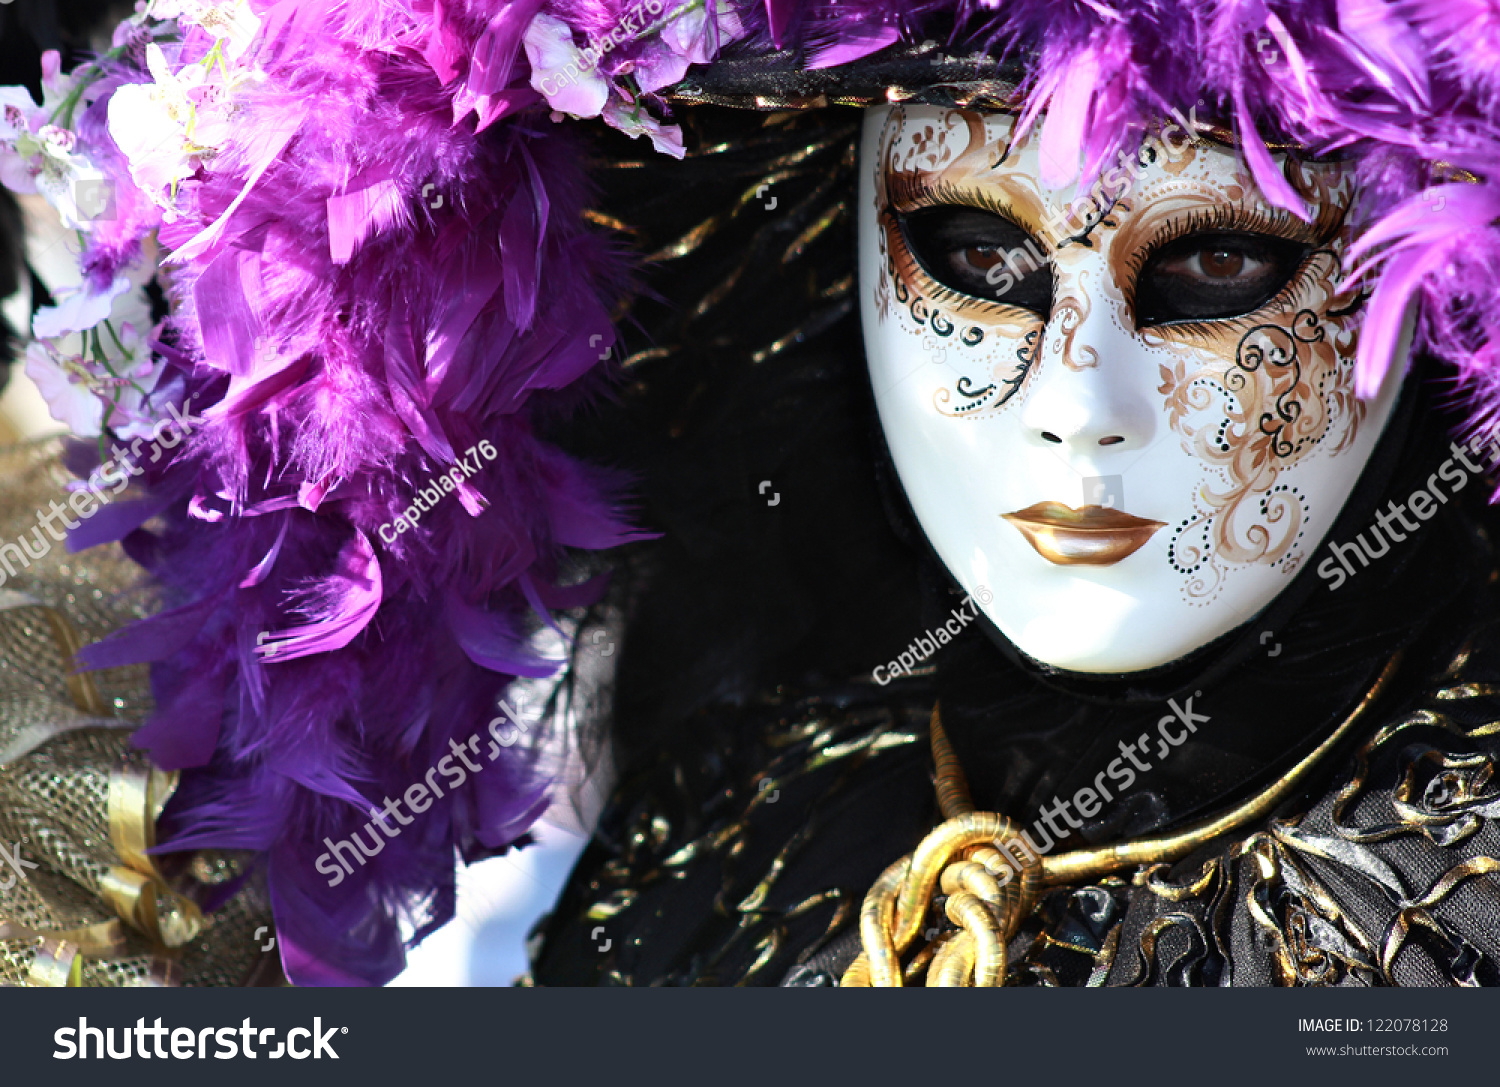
910,192
1238,217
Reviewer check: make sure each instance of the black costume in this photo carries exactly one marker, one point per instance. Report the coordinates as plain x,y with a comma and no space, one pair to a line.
766,780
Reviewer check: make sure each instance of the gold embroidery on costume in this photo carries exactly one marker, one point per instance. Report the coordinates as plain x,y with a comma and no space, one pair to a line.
1317,896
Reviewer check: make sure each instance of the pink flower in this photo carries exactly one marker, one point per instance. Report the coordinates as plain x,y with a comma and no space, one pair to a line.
689,34
569,78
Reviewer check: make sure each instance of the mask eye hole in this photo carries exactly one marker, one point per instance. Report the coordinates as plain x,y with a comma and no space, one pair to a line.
981,254
1204,277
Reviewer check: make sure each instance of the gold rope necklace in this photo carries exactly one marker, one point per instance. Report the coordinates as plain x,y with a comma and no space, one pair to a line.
969,855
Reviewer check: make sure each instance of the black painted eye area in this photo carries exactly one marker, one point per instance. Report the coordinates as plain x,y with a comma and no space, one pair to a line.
981,254
1205,277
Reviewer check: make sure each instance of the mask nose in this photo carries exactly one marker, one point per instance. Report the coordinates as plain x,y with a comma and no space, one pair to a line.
1092,393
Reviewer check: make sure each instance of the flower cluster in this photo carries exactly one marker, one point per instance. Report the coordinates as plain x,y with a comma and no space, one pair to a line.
91,357
650,48
39,151
92,364
171,126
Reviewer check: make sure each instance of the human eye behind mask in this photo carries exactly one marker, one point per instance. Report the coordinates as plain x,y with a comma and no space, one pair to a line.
981,254
1211,276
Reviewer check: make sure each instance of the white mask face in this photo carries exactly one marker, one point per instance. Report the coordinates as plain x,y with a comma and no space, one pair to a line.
1127,410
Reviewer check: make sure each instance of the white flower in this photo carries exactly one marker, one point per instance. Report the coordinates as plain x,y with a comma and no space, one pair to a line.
153,141
80,192
232,22
128,412
77,309
17,144
168,128
101,385
560,72
635,122
37,156
67,387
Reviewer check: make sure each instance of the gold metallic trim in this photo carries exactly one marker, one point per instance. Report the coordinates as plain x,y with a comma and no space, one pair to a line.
81,686
1467,690
1086,864
136,889
106,940
1417,912
952,787
57,965
1154,880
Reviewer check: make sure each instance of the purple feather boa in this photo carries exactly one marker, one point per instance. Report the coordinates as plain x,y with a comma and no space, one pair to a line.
387,266
393,290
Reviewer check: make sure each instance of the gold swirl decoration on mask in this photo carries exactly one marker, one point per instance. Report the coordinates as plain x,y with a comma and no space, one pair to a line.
990,880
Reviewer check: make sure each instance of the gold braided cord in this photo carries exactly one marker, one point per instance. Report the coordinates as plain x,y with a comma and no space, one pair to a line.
952,787
991,878
881,962
900,903
953,963
968,911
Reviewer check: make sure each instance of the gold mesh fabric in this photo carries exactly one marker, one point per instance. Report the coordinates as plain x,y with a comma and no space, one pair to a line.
77,804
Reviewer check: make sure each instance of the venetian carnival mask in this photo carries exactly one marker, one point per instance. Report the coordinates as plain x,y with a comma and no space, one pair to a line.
1123,412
